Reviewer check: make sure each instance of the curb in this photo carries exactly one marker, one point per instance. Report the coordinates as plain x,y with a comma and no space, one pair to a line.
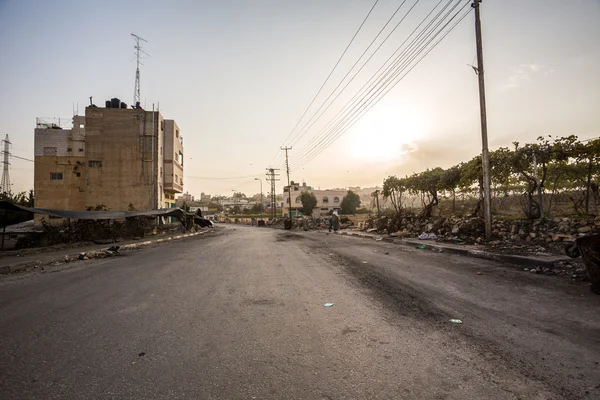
505,258
9,269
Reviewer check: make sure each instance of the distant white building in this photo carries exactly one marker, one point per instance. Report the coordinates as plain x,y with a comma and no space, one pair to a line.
327,200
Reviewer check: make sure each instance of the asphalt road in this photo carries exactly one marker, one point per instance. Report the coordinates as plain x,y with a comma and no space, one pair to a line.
239,314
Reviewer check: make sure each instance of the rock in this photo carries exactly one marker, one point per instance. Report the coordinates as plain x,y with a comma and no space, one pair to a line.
584,229
533,235
557,220
67,259
81,256
86,258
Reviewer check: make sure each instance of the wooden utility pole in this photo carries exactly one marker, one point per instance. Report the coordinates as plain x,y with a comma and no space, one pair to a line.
538,186
485,153
377,200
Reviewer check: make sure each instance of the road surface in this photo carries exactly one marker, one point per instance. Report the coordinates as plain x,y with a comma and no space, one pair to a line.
239,314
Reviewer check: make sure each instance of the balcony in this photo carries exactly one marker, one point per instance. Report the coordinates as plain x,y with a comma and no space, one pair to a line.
173,187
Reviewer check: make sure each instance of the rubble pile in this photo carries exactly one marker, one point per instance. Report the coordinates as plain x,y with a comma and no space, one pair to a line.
471,229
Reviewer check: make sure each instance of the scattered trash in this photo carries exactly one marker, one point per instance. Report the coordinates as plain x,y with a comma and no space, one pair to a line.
364,262
478,273
327,304
427,236
330,254
142,354
420,246
386,253
456,321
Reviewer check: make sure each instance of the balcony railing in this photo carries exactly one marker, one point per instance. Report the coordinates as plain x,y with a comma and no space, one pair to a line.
173,187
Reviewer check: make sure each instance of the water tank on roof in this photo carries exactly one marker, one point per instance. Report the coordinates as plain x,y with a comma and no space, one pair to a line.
107,103
115,103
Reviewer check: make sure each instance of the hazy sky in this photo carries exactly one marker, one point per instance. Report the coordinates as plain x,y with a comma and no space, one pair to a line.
237,76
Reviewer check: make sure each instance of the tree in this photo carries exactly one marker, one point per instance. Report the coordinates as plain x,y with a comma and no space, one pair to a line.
309,202
350,203
394,189
257,208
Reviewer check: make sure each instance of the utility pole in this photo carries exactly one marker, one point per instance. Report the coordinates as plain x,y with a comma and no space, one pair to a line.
377,199
138,50
5,188
272,178
287,167
485,153
538,186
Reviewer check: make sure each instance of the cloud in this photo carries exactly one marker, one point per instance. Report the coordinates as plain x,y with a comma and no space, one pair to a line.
524,73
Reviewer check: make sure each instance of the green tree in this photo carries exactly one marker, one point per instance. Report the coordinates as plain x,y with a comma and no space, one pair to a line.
394,189
257,208
350,203
309,202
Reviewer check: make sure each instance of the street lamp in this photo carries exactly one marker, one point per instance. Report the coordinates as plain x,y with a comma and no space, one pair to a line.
261,196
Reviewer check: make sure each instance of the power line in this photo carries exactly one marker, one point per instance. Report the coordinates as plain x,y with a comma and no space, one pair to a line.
331,72
342,127
220,178
348,124
302,132
379,76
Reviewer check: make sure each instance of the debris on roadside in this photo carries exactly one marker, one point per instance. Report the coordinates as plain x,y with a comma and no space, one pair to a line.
327,304
456,321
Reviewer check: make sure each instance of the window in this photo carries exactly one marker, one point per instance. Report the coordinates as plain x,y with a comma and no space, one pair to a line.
81,126
12,236
162,125
176,179
298,200
161,150
336,199
177,133
49,151
180,158
325,199
78,174
80,150
95,164
69,149
56,176
161,171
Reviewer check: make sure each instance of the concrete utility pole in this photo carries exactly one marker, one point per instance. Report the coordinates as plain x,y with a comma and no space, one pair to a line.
485,153
287,167
6,186
272,178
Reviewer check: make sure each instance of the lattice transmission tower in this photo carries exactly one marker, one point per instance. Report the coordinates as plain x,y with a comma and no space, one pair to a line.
138,52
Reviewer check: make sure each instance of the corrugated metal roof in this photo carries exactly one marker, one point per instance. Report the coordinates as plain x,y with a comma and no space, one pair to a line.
23,227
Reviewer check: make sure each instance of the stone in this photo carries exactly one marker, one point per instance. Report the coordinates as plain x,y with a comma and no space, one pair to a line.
455,230
584,229
533,235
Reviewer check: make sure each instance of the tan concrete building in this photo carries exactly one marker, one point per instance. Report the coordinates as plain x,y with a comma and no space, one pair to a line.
114,157
327,200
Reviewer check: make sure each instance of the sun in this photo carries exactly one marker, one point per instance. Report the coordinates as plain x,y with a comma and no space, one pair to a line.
386,133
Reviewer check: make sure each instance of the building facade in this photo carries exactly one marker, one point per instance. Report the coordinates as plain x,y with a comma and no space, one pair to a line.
327,200
116,157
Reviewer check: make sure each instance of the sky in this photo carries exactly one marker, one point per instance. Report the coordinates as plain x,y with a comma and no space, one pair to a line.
237,76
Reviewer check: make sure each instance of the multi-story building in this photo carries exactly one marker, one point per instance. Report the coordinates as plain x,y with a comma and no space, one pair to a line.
114,156
327,200
186,198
